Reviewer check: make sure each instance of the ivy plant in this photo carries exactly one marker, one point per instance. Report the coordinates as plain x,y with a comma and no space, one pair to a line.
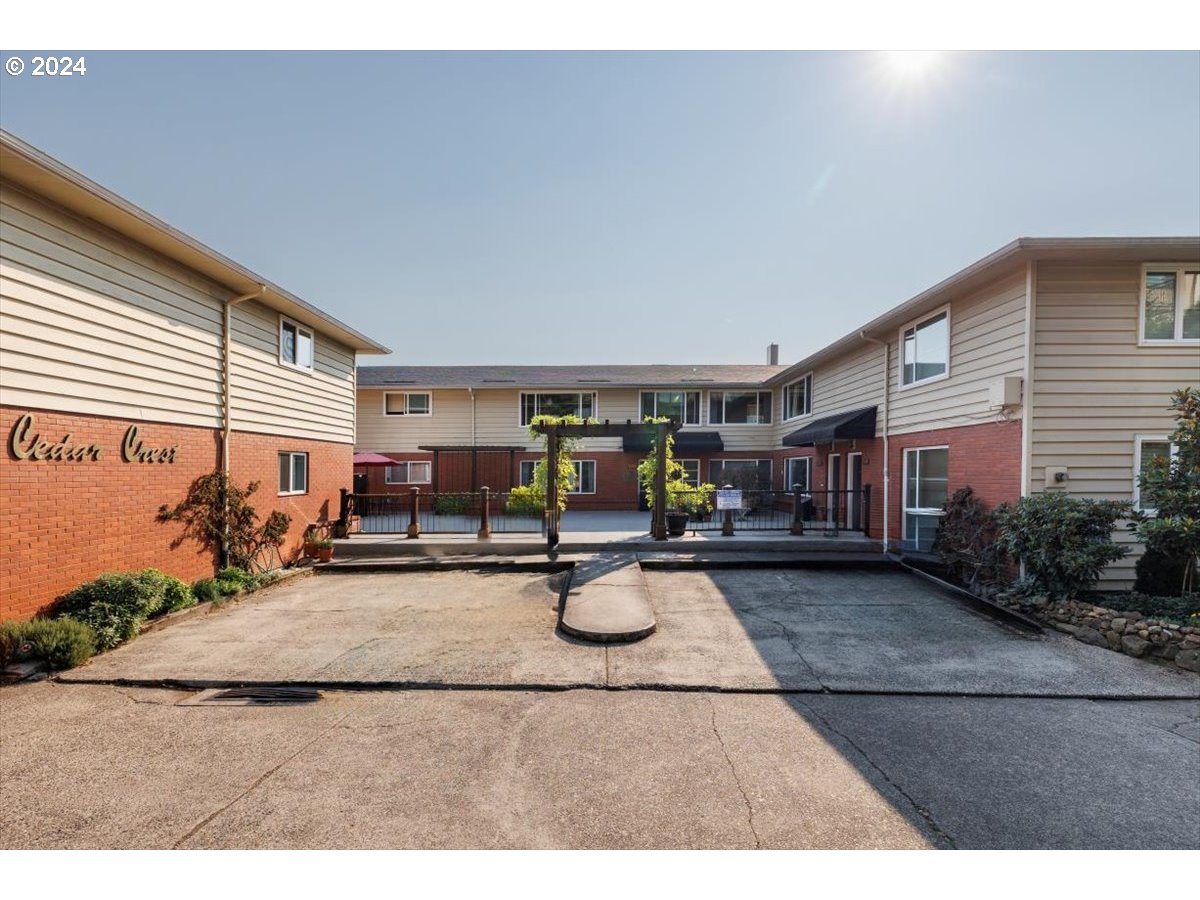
681,496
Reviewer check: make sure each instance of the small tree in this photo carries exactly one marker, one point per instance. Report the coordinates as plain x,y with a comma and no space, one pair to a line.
1170,485
564,469
680,495
1065,542
218,514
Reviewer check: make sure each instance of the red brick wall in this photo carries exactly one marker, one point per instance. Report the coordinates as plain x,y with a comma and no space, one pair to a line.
64,522
255,457
985,457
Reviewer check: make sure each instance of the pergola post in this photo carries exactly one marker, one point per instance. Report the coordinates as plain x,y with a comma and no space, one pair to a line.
551,487
658,527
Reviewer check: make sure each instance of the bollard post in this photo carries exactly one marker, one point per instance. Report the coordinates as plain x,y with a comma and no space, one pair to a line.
866,510
727,520
485,513
797,510
658,526
414,513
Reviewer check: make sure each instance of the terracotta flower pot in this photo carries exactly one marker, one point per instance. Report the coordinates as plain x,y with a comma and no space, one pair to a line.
325,554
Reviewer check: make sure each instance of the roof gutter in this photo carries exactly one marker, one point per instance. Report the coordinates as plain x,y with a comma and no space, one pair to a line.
227,403
887,457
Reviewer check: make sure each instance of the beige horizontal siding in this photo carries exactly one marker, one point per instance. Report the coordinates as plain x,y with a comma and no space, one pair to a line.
379,433
987,343
93,323
272,398
1094,388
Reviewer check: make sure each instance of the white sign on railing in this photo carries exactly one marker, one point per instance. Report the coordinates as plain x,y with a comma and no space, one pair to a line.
729,499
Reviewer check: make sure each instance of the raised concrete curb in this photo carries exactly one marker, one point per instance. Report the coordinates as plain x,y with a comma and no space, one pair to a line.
443,564
607,603
369,546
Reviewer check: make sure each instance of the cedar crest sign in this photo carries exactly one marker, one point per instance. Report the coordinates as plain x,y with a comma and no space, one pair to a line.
23,444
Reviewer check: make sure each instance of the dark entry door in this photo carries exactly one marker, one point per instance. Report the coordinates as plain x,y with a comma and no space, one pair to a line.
360,482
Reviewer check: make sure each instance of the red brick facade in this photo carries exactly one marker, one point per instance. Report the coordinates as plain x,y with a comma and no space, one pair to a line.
65,521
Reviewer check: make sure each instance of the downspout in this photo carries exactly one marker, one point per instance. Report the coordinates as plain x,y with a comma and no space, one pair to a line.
887,459
226,403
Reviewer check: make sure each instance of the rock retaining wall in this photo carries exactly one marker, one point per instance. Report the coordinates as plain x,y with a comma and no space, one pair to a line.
1126,632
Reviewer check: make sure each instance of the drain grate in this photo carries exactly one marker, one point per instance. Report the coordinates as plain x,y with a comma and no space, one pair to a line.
255,696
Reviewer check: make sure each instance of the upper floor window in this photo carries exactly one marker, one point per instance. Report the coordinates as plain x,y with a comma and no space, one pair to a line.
739,408
406,404
925,349
1170,306
1146,449
682,406
581,404
293,473
797,398
295,344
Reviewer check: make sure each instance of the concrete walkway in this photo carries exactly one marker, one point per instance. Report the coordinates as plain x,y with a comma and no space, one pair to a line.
608,601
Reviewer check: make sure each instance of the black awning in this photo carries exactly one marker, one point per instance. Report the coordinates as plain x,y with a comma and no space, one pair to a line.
685,441
858,423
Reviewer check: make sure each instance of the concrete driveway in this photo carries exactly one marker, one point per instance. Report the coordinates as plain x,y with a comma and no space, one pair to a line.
771,709
805,630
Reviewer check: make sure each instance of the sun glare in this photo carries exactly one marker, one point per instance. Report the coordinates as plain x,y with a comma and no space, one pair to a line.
912,63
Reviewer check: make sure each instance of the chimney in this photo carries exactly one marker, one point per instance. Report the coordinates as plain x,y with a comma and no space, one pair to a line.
772,354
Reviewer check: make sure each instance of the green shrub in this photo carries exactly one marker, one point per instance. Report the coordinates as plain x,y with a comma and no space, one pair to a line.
451,504
1064,541
525,502
966,541
234,575
176,594
1159,572
114,605
206,590
63,643
1170,606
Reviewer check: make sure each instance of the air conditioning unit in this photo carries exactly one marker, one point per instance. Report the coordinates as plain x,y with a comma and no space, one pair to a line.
1005,392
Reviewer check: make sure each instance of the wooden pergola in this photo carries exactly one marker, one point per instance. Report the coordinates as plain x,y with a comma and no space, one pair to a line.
555,431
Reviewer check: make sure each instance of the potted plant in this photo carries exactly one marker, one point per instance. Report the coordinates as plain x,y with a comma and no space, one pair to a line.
677,520
310,540
324,549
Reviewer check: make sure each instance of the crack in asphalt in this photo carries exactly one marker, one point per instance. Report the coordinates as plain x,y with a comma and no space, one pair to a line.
789,635
263,777
925,814
733,771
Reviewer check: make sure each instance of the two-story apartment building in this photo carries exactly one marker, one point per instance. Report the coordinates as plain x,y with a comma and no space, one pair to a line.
1046,365
456,428
133,360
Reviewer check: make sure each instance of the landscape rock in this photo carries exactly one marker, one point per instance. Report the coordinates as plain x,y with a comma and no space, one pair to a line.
1188,659
1134,646
1091,636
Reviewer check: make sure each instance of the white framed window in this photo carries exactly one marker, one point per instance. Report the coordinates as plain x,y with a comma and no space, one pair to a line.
925,349
526,474
555,403
1169,307
746,474
414,472
407,403
691,471
797,472
739,407
584,479
682,406
293,473
585,476
1145,448
296,345
797,398
926,485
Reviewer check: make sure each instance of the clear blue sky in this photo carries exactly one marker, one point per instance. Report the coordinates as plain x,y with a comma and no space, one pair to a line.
617,207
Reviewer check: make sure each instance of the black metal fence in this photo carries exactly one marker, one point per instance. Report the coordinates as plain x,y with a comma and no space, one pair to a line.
414,513
764,510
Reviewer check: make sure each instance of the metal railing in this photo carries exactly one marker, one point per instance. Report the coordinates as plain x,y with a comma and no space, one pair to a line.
798,512
482,513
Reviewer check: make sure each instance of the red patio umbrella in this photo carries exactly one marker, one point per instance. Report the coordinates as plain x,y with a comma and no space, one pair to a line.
373,459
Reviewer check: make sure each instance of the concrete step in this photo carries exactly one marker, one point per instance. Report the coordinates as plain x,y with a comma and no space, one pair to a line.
367,546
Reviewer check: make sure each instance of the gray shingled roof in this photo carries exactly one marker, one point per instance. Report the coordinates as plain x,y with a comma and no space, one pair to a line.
563,376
